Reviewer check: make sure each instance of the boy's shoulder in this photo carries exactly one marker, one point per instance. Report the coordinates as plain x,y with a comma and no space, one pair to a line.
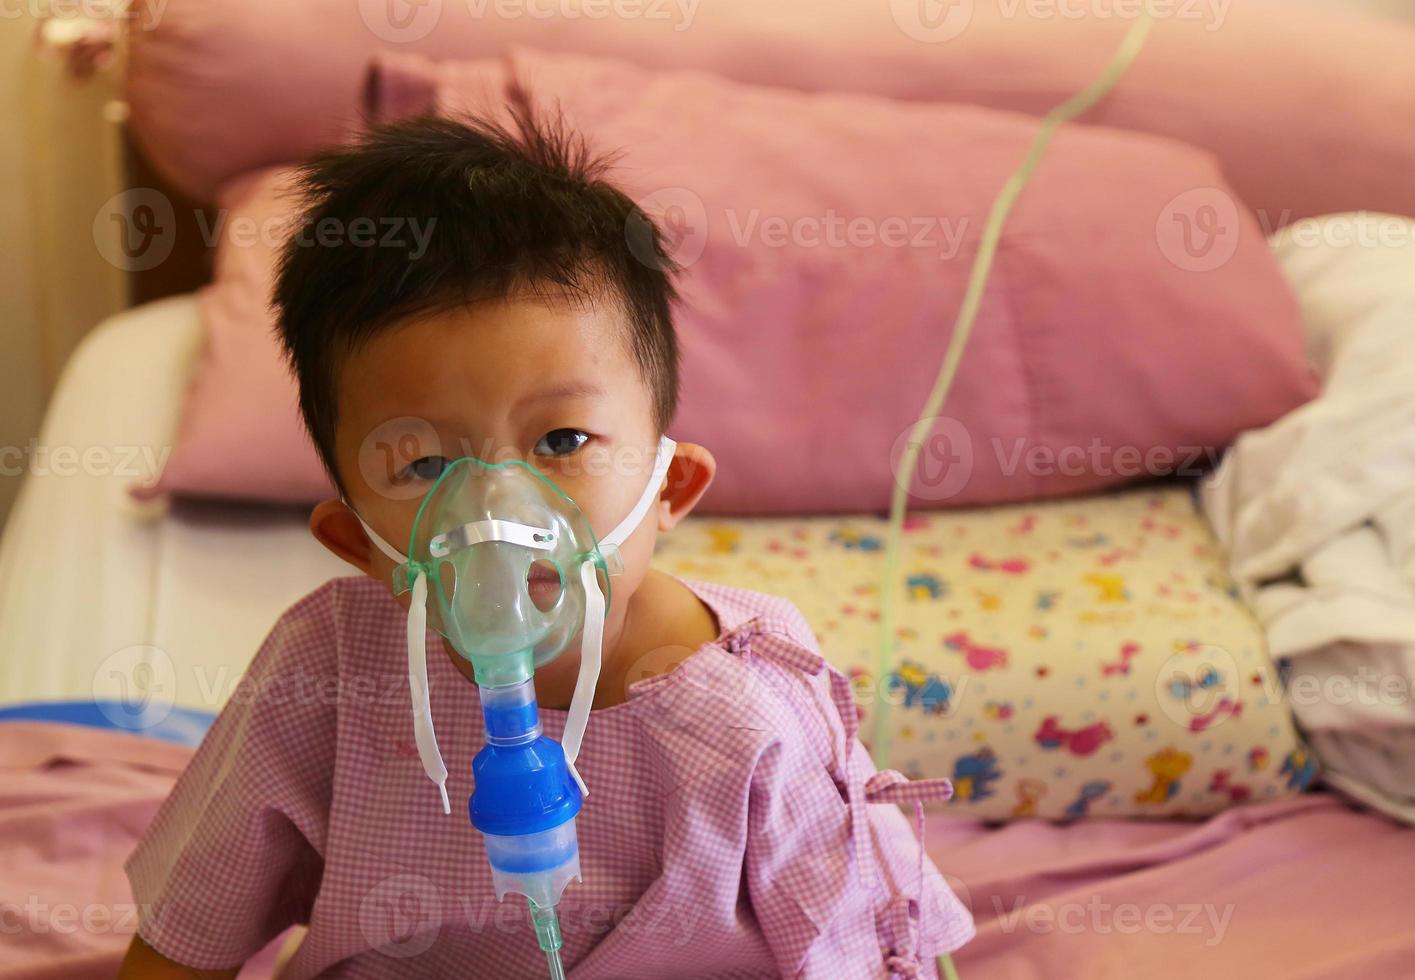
736,608
764,673
346,623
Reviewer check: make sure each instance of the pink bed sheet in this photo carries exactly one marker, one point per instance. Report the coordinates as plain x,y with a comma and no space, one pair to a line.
73,803
1302,888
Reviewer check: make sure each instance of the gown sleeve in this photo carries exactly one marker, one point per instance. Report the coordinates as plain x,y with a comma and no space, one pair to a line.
233,856
837,880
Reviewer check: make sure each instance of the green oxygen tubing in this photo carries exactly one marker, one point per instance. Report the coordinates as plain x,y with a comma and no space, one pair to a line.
1078,104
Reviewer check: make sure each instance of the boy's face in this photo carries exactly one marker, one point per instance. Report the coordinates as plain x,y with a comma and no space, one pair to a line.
552,384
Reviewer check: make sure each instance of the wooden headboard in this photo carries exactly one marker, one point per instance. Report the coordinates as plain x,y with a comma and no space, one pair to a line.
189,265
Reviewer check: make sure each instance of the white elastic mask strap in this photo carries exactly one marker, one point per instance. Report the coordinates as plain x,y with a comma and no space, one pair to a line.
592,635
626,527
378,542
591,649
423,734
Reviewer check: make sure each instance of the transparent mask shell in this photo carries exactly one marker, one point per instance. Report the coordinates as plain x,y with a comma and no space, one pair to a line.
492,598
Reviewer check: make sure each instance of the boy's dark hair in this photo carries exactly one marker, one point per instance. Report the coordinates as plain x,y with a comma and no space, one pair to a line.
503,212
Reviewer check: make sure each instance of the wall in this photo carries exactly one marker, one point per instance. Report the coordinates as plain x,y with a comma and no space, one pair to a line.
58,165
22,385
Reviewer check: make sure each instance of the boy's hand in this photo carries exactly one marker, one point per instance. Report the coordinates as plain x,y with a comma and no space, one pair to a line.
145,963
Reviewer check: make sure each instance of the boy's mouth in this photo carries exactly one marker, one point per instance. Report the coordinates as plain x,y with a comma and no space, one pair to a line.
543,584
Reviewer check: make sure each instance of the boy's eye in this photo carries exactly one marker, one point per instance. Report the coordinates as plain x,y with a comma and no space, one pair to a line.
427,468
561,442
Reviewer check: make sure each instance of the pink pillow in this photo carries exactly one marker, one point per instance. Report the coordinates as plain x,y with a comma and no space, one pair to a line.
827,240
1305,109
241,435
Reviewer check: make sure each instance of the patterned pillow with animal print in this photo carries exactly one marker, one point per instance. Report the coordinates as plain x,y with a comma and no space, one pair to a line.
1076,657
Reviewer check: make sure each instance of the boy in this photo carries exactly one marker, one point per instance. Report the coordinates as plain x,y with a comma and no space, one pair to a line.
729,831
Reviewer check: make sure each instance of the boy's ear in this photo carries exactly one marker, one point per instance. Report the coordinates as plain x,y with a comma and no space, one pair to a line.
689,475
336,527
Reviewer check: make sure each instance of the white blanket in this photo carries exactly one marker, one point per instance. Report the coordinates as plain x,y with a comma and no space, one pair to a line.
1317,511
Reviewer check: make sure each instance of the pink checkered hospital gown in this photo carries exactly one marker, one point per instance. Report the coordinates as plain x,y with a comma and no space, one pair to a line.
733,829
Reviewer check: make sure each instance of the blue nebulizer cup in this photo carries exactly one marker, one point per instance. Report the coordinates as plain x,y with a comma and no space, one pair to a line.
525,803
